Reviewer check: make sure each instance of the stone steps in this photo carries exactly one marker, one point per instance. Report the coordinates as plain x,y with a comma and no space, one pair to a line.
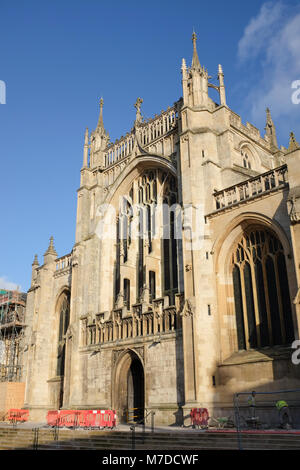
103,440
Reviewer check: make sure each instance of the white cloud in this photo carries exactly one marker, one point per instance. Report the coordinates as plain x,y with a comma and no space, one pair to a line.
259,29
273,39
6,284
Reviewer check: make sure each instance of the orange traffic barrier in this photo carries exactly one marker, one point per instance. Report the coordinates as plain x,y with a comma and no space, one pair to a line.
101,418
199,417
82,418
17,415
52,418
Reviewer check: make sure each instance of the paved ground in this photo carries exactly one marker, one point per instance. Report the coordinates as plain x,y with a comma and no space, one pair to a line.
126,428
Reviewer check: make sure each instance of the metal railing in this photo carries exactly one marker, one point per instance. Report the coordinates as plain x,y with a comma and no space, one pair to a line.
35,443
261,414
142,422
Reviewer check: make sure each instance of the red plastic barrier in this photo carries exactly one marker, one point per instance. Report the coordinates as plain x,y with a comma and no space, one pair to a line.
199,416
82,418
52,418
68,418
17,415
100,419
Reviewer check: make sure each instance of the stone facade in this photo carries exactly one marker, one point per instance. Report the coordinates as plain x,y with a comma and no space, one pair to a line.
167,323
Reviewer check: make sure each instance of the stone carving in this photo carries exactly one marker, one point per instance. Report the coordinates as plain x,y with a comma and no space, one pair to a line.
137,106
184,138
294,205
188,310
115,355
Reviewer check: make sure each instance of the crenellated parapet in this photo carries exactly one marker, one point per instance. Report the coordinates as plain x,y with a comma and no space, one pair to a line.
248,130
159,319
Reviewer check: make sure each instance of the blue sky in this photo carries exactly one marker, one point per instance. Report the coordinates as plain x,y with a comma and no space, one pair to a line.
57,58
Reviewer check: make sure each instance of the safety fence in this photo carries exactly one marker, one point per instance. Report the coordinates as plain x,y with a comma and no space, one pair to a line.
15,416
255,411
87,419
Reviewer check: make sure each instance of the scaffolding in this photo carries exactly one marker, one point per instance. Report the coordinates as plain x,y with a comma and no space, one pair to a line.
12,317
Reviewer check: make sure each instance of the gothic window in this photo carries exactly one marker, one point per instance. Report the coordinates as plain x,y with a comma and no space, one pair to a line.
127,293
149,227
131,195
169,242
246,159
144,220
117,270
261,292
64,318
152,285
140,267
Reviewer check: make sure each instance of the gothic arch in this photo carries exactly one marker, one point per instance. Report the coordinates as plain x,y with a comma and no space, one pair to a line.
123,181
58,298
114,247
235,227
128,384
226,274
246,147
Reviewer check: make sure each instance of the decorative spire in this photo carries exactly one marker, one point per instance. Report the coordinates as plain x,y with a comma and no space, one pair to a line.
293,144
100,124
51,250
270,131
35,261
195,61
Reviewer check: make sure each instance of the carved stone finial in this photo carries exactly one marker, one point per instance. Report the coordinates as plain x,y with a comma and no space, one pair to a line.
51,250
270,131
35,261
293,144
100,120
137,105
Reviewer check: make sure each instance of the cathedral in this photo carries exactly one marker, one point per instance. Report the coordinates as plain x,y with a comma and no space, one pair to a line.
183,285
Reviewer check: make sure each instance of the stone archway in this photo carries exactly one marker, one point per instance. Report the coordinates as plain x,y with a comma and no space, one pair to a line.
257,297
129,387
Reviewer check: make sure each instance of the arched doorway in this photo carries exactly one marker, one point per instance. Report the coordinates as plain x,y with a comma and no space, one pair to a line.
129,388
